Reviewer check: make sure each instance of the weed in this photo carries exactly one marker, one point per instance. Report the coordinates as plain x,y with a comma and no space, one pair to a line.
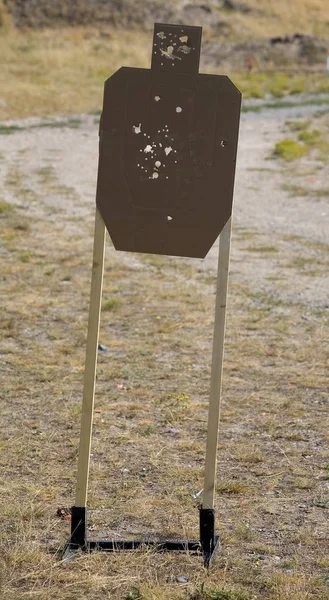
296,190
262,249
286,104
134,595
228,486
112,304
5,207
309,137
289,149
25,257
8,129
216,594
147,429
298,125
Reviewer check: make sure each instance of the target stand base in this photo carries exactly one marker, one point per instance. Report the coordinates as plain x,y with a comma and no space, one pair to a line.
207,546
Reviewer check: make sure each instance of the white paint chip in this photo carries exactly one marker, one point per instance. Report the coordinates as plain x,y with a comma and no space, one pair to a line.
184,39
168,150
157,98
169,218
158,163
155,175
137,128
148,148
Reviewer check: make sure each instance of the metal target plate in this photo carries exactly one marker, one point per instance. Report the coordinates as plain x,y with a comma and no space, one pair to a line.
168,145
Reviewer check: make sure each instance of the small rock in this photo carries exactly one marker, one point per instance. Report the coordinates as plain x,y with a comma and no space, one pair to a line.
103,348
181,579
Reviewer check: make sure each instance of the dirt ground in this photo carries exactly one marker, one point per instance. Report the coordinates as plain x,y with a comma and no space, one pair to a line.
153,382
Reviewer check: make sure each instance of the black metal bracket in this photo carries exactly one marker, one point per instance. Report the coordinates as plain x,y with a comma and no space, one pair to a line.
207,545
208,539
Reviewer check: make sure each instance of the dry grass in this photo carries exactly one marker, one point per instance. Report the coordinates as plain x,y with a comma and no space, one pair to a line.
277,17
48,72
153,383
151,409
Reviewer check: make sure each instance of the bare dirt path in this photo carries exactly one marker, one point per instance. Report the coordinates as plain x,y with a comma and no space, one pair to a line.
277,238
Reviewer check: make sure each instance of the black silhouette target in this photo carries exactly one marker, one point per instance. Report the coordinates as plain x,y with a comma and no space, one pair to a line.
168,144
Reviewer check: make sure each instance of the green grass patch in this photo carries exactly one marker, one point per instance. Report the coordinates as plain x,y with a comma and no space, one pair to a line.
112,304
298,125
289,149
296,190
25,257
262,249
215,594
279,84
314,101
309,137
8,129
5,207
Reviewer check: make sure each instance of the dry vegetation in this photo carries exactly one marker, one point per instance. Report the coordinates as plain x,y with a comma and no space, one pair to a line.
272,497
151,406
51,71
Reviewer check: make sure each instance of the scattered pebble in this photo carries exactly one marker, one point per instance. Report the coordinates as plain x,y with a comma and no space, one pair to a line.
103,348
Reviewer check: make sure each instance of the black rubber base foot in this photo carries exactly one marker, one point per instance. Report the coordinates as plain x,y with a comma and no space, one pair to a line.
208,540
78,538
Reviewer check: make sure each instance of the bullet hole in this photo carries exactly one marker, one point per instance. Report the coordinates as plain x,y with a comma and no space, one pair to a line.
137,128
157,98
168,150
184,49
169,218
158,163
224,143
178,109
155,175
